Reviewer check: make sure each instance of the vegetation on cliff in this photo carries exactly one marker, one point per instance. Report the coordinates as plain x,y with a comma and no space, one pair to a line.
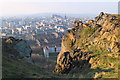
91,49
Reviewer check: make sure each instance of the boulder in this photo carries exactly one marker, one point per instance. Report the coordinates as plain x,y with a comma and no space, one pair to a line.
23,49
16,48
68,60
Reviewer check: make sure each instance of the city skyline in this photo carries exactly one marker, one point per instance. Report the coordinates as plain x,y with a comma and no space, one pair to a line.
28,8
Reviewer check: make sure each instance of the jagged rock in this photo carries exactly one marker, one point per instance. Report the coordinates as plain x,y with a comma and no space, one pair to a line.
115,55
77,23
90,22
69,60
103,36
101,14
96,26
16,48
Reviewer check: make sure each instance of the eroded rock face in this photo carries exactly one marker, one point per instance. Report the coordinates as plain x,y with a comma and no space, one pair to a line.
69,57
104,35
68,60
16,48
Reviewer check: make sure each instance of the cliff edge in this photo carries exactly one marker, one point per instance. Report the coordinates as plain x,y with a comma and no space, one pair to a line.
93,47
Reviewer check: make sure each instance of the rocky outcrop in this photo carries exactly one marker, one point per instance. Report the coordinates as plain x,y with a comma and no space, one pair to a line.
68,60
89,42
15,48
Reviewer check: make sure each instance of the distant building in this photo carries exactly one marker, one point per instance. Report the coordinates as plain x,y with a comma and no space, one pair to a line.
46,52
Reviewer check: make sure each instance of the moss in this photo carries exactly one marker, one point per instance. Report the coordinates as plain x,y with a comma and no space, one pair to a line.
86,32
97,51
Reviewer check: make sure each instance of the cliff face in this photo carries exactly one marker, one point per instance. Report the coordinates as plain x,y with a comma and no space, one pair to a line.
94,44
15,48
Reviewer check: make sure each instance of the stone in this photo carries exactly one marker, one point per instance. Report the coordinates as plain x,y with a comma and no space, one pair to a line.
23,49
78,23
101,14
81,51
16,48
68,60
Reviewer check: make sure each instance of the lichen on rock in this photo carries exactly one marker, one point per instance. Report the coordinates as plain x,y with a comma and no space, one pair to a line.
89,44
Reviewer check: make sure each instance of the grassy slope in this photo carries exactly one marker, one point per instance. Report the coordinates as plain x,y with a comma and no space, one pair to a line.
21,69
108,64
104,66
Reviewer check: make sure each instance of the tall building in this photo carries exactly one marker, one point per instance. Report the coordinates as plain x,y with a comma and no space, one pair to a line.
65,16
12,24
4,23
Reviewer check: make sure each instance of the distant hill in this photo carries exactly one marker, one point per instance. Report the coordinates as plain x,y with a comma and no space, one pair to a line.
91,49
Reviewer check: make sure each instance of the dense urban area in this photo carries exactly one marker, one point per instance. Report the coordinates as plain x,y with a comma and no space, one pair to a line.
43,30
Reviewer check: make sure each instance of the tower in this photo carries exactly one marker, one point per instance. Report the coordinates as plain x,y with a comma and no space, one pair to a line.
65,16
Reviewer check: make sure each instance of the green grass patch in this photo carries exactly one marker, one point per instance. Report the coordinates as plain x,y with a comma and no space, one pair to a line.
86,32
20,69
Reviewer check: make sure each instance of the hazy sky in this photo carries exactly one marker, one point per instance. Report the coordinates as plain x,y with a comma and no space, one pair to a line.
16,7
